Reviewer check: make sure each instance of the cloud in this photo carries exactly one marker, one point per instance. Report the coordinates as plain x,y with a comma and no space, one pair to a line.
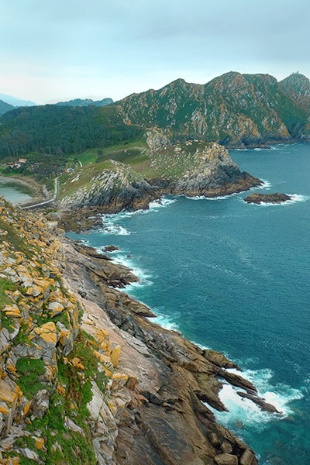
136,39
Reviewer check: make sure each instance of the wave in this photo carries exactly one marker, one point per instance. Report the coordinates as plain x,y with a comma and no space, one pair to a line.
143,276
298,198
110,222
243,412
114,229
204,197
164,321
161,203
266,185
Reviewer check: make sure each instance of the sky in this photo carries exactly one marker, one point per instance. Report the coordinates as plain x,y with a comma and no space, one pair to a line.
54,50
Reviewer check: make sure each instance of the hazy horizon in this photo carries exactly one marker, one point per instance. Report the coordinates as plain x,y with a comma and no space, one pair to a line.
97,49
98,97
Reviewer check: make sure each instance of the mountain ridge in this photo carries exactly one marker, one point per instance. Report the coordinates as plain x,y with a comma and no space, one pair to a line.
5,107
78,102
234,109
16,102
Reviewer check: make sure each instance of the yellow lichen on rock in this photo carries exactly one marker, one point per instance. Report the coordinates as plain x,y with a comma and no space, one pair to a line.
47,332
39,443
12,310
115,355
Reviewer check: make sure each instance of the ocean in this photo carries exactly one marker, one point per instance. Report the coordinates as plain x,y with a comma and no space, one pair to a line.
234,277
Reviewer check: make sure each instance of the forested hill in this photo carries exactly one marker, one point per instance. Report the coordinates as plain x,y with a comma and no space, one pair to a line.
4,107
235,110
55,129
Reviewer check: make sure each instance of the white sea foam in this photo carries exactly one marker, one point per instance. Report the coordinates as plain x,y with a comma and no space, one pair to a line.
243,412
203,197
196,197
115,230
164,321
143,275
160,203
110,222
266,185
295,198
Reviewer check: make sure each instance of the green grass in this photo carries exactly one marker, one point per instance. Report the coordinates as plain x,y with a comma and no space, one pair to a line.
15,239
75,449
30,371
5,285
5,321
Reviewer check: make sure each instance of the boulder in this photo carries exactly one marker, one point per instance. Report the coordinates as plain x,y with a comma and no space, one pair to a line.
226,459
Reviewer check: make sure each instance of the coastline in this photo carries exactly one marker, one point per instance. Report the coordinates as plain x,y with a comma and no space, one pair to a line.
185,378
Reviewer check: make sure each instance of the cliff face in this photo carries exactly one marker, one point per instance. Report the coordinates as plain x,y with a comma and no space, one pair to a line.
57,382
193,168
85,378
235,110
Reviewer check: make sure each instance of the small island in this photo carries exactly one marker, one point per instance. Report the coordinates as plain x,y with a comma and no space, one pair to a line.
267,198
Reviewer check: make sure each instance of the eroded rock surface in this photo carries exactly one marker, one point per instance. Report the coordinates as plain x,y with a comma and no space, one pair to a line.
86,377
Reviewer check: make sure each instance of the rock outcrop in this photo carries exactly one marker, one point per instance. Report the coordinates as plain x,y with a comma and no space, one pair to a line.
193,168
235,110
85,376
259,198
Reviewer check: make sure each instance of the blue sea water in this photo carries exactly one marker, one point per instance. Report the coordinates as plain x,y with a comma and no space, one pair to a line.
235,277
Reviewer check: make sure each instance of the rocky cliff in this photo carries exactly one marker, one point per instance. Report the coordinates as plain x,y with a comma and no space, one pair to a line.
86,377
193,168
236,110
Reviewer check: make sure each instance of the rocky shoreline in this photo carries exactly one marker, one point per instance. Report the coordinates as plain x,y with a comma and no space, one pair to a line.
148,398
168,418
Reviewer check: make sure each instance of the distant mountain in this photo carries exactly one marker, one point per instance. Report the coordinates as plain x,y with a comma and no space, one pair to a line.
4,107
16,102
85,102
236,110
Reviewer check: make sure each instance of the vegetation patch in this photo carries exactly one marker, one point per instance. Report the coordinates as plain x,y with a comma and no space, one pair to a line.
30,371
15,238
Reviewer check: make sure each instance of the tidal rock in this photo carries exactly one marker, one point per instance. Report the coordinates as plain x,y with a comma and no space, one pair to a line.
110,248
259,401
267,198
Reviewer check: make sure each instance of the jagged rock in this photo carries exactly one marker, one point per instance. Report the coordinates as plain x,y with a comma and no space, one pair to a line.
110,248
260,402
